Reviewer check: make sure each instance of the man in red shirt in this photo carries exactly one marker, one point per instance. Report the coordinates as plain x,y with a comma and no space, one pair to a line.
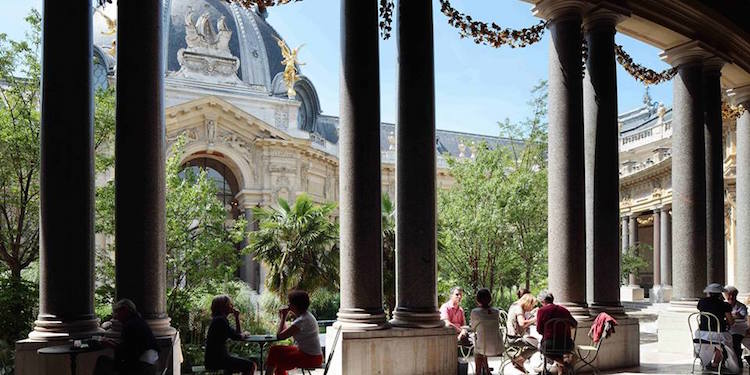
556,338
452,313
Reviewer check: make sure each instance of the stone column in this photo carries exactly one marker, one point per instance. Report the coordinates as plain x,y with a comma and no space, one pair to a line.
359,169
632,242
566,192
601,163
249,268
665,247
657,247
140,242
416,243
66,176
714,148
688,174
742,259
624,238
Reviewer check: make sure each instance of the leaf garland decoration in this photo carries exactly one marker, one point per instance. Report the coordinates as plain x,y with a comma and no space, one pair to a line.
640,72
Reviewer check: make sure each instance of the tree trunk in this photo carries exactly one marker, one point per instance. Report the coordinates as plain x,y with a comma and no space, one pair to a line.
15,272
528,278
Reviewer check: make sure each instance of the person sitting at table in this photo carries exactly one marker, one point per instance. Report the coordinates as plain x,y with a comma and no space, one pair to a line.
484,321
304,329
217,357
136,352
707,331
521,315
740,327
452,313
556,338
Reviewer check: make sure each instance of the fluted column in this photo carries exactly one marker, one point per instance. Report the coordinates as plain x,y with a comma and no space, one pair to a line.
66,176
632,242
566,188
714,172
359,169
742,227
666,246
140,241
416,244
688,174
657,247
601,162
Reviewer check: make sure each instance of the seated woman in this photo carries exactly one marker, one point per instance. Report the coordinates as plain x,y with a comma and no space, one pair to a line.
217,357
484,321
304,330
707,331
520,318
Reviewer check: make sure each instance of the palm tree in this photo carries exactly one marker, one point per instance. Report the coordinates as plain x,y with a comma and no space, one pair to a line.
298,244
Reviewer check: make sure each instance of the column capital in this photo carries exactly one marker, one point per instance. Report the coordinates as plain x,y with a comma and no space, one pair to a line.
604,15
558,10
692,52
657,210
712,65
740,95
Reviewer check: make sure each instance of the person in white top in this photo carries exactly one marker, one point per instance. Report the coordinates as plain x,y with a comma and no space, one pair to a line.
484,320
304,330
740,328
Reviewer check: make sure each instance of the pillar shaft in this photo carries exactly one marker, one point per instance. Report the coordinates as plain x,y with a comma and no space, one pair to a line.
566,191
66,235
359,168
632,242
140,162
742,260
601,163
665,246
624,233
249,268
416,244
688,184
714,175
657,247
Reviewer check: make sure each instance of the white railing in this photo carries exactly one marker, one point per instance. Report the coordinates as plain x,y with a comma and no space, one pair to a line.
644,137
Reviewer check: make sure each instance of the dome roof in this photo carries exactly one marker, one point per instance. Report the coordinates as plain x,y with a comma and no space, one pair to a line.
243,43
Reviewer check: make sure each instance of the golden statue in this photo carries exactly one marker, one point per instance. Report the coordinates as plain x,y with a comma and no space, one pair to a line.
111,23
290,63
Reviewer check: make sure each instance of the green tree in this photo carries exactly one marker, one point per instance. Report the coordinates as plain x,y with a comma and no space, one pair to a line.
388,227
19,148
298,244
632,262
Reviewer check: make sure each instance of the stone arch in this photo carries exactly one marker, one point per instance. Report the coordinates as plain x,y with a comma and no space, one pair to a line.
224,155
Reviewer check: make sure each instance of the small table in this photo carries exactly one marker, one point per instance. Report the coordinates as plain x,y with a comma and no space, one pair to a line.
69,349
262,341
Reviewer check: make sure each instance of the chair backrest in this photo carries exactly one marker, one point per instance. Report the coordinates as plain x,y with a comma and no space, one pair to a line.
333,348
713,334
503,321
558,339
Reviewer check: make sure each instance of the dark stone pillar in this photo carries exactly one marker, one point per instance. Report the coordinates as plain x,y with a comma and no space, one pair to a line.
359,169
715,240
657,247
416,242
66,176
140,242
601,163
566,192
666,246
688,175
742,229
632,241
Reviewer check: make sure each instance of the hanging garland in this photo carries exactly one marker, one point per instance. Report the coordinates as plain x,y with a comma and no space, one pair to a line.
731,112
640,72
386,18
261,4
491,34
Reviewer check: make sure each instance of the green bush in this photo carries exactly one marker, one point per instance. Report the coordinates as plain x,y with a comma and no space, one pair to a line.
18,308
324,304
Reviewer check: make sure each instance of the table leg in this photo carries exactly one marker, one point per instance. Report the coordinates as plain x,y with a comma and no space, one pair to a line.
73,363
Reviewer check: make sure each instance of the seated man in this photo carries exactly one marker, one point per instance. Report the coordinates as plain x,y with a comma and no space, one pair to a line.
707,331
556,338
452,313
136,352
739,328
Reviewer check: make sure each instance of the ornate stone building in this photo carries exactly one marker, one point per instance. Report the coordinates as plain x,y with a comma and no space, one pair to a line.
225,93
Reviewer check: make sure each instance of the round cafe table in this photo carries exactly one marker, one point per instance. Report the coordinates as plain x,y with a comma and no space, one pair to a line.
70,350
262,341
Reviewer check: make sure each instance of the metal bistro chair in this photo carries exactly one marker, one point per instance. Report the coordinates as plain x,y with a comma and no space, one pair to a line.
559,343
710,342
513,349
588,353
328,361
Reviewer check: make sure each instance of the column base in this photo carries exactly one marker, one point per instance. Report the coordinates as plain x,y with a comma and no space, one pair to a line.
361,320
660,294
159,327
614,308
414,319
580,311
395,351
53,328
632,293
619,351
673,331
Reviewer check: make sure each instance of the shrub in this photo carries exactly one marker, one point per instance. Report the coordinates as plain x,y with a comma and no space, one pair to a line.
18,308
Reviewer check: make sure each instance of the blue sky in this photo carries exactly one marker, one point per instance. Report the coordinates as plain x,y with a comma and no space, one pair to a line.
475,86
